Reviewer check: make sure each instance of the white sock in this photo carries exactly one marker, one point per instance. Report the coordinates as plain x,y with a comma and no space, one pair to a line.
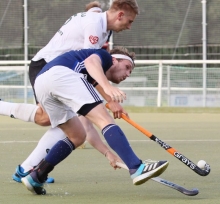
22,111
49,139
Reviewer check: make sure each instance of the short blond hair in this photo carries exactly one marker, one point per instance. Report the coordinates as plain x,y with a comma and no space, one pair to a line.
125,5
123,51
92,5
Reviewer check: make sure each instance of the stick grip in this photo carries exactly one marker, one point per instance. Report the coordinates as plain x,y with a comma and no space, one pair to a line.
146,132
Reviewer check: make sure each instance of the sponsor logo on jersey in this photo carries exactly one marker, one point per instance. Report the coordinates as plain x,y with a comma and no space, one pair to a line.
93,39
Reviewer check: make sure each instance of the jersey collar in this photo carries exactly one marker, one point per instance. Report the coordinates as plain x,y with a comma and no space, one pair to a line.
104,26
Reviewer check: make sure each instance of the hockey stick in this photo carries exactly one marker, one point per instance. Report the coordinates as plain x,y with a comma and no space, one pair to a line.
168,148
179,188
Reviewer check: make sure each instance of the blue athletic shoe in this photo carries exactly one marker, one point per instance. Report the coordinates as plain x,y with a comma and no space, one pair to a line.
19,173
33,184
149,170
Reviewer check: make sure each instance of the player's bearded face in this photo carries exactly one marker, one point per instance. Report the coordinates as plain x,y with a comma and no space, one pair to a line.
121,71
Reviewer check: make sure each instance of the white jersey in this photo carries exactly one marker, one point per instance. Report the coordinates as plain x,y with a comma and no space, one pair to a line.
82,30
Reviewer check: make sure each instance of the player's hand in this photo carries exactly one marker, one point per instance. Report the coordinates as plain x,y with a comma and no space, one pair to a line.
116,109
112,158
115,93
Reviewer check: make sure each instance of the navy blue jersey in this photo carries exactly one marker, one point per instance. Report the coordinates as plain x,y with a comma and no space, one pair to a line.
75,61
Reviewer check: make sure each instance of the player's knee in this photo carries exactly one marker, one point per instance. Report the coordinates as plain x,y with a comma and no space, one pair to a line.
83,139
82,135
41,118
45,122
79,139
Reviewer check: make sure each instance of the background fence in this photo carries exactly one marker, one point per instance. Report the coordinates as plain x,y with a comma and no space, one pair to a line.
164,30
166,83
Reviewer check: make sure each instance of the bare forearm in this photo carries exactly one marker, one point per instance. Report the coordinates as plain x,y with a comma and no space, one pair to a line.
102,92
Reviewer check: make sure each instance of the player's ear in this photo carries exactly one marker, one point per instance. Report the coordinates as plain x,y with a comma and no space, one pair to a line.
114,60
120,15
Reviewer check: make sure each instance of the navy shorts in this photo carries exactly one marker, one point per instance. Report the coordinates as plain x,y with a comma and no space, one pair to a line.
34,68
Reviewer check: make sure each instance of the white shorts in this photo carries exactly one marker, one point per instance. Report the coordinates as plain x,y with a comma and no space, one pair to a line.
62,92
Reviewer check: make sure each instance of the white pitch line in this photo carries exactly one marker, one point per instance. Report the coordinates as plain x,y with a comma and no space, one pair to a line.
18,129
6,142
212,140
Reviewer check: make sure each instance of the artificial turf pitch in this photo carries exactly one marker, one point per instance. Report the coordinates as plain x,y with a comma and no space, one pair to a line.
86,176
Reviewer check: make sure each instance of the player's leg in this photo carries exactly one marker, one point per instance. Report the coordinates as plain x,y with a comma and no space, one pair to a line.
116,139
41,117
60,115
51,137
94,139
25,112
37,115
86,101
43,147
76,136
90,130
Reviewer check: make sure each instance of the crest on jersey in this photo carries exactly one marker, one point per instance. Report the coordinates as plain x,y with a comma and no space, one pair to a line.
93,39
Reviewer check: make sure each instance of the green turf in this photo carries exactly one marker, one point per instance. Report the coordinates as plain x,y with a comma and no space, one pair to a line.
148,109
86,176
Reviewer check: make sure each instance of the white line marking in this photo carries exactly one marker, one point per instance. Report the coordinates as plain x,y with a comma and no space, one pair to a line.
18,129
212,140
6,142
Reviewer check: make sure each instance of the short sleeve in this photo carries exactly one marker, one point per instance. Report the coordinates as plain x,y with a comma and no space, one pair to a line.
92,37
106,59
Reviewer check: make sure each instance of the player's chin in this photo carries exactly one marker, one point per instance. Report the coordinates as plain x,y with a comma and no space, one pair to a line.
120,80
119,30
115,81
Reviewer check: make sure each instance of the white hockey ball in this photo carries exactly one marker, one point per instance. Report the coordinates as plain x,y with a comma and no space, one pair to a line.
201,164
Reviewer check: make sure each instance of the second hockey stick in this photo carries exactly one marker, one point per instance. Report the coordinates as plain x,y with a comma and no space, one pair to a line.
170,184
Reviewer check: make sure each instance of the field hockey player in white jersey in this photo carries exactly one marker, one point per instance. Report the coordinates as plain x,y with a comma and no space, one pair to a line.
65,88
83,30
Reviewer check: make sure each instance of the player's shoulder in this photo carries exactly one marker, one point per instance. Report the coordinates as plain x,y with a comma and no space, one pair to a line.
104,55
93,17
103,52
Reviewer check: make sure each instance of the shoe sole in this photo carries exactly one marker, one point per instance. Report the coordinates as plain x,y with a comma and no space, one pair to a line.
16,178
154,173
34,190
